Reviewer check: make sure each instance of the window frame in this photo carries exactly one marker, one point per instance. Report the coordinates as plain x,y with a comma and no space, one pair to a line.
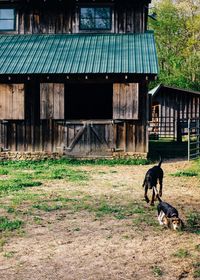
14,19
96,30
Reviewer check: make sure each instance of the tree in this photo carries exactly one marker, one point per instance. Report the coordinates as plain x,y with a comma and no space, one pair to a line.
177,33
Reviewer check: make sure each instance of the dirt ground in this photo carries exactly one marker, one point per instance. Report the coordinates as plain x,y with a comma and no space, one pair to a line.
79,246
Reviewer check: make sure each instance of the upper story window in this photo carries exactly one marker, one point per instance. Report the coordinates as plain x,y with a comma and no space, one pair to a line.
7,19
95,18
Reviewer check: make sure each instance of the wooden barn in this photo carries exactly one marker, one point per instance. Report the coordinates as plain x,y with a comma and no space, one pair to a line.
74,77
171,109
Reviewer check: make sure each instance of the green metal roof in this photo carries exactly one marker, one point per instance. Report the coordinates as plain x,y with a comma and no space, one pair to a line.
78,53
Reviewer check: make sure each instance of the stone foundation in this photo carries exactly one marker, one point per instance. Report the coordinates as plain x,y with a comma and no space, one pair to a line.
49,155
29,155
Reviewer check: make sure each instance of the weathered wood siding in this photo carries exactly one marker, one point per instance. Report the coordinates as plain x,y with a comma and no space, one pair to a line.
52,101
126,101
183,105
11,101
175,107
63,17
76,138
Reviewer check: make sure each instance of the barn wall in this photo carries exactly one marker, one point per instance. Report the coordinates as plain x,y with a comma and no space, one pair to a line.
82,138
175,108
184,105
43,17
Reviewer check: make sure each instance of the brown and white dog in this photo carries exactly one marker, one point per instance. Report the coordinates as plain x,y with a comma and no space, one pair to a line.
168,215
152,177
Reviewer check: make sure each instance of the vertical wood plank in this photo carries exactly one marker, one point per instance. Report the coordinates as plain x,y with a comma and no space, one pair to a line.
126,101
12,101
51,101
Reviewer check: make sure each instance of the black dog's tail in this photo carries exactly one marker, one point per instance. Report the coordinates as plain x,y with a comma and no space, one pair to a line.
157,195
160,162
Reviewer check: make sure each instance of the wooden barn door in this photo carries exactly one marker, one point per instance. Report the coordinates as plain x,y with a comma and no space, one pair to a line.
125,115
88,138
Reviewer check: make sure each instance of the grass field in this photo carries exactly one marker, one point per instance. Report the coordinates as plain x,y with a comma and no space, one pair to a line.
88,220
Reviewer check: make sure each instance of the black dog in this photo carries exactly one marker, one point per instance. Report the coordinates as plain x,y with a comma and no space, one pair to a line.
168,215
151,179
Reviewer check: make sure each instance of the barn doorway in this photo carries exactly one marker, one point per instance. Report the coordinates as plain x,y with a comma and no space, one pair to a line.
89,101
89,126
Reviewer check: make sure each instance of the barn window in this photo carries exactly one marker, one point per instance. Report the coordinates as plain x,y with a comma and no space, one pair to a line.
95,18
7,19
89,101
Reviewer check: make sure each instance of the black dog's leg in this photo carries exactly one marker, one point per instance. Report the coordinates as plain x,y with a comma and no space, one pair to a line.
161,185
145,193
153,198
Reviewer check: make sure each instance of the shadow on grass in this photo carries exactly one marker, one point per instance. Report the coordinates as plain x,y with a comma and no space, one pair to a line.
167,148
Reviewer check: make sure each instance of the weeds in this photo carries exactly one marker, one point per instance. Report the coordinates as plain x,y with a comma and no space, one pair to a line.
196,272
193,171
16,185
9,254
181,253
157,271
193,222
189,173
3,172
7,225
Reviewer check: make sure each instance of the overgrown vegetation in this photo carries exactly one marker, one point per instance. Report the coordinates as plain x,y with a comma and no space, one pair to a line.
177,31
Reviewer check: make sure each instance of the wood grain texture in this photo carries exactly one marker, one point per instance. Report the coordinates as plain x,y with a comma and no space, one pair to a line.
11,101
51,101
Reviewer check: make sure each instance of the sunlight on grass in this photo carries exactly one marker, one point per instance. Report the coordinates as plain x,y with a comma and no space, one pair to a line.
193,171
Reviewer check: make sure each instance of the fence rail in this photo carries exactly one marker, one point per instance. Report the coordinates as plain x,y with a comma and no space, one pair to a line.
166,127
193,138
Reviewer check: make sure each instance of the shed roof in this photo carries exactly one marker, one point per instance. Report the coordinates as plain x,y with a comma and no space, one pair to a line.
170,90
78,53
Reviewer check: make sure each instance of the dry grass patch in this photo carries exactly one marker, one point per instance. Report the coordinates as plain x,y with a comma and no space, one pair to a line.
89,221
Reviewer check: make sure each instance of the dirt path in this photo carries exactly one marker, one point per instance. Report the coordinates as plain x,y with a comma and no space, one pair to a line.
80,246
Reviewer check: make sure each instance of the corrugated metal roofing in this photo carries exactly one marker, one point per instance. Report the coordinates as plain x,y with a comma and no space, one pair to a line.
78,53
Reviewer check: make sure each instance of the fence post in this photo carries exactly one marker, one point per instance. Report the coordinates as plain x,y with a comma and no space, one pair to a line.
197,128
188,139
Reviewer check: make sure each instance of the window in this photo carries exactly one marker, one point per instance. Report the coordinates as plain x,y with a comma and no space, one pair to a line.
7,19
95,18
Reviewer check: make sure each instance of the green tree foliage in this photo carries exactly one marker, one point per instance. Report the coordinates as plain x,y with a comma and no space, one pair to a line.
177,33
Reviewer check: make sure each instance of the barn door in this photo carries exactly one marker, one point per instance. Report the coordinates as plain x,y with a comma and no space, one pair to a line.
126,101
88,138
125,110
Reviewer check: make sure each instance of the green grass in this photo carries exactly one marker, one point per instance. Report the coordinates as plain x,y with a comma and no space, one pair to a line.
193,222
9,225
17,184
196,273
182,253
193,171
25,174
157,271
72,162
3,171
187,173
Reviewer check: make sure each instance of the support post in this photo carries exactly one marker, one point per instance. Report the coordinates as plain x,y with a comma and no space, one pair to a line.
188,139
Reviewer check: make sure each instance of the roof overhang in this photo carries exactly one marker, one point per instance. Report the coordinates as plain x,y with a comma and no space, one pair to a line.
79,54
155,92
